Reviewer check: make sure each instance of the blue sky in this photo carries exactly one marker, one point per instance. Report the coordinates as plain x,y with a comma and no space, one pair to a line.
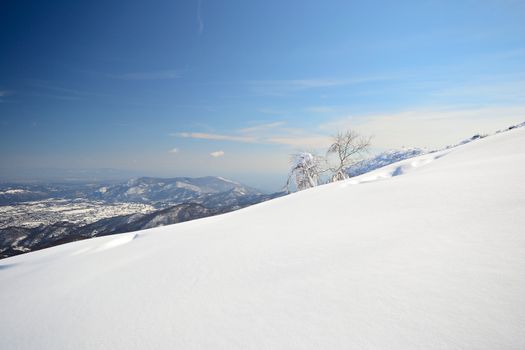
232,88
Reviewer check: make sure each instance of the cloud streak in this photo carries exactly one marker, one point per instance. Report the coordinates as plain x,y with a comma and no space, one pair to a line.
430,127
49,89
290,86
261,127
3,94
154,75
217,137
217,154
200,21
266,133
306,141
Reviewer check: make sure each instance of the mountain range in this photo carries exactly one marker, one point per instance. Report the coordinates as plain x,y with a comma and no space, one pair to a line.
156,191
177,199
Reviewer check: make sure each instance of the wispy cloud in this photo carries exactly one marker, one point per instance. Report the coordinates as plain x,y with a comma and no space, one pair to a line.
173,150
200,21
265,133
217,154
218,137
261,127
320,109
154,75
50,89
308,141
289,86
3,94
272,111
295,140
430,127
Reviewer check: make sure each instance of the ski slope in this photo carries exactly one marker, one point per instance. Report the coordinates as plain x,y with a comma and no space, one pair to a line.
427,253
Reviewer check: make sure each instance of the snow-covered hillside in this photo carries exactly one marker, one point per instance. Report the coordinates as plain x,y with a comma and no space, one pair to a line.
428,253
381,160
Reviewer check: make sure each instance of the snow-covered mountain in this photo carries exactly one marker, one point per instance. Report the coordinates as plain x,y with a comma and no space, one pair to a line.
171,190
426,253
149,190
87,212
15,193
16,240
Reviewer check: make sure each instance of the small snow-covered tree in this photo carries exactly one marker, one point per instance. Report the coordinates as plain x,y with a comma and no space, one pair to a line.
305,170
348,148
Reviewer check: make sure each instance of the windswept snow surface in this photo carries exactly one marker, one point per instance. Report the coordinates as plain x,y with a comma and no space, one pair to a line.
430,256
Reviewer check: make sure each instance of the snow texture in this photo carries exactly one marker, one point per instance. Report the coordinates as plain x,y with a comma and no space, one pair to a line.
427,253
13,191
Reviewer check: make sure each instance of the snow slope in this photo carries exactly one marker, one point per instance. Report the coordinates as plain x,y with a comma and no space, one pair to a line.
382,159
428,253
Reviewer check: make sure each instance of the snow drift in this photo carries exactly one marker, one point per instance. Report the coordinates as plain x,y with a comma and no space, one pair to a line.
427,253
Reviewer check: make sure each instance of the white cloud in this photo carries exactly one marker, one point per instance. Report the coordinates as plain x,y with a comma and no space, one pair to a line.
173,150
217,154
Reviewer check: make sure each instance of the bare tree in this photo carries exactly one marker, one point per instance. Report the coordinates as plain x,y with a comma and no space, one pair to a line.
305,171
348,148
